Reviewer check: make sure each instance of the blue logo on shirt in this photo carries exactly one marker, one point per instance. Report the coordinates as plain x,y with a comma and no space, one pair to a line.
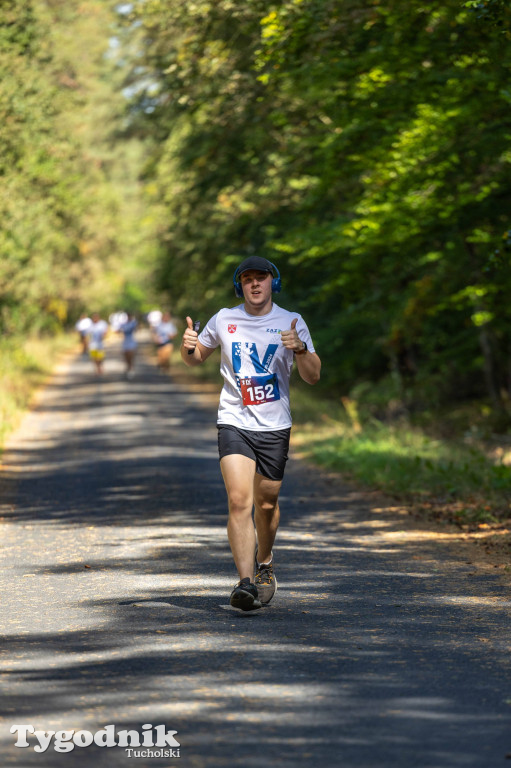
244,349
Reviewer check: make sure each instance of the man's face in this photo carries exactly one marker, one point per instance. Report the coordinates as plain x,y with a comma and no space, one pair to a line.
256,286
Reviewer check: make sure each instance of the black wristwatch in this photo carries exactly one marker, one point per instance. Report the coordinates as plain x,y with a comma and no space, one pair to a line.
303,350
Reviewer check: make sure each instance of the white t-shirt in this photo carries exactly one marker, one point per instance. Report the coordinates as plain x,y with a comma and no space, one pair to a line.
255,366
96,334
165,332
128,329
83,325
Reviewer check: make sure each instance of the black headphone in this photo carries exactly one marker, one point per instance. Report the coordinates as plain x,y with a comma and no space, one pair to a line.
276,283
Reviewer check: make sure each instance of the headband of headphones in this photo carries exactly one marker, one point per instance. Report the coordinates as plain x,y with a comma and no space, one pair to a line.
260,265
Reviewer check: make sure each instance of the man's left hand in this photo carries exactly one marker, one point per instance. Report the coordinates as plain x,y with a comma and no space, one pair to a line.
290,338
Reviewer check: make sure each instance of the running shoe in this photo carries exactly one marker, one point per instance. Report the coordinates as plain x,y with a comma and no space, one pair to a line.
265,581
244,596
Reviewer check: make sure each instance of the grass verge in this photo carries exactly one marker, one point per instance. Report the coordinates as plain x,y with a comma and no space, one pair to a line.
25,364
450,479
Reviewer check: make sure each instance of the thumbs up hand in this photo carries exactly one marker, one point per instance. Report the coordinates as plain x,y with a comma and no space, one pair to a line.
190,336
290,338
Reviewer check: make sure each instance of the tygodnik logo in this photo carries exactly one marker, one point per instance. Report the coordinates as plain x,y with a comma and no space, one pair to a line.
66,741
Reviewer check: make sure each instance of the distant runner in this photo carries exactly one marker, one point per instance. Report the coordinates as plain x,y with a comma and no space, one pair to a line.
164,333
259,342
82,327
129,343
96,335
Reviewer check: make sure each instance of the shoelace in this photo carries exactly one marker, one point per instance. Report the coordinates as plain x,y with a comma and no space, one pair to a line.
264,573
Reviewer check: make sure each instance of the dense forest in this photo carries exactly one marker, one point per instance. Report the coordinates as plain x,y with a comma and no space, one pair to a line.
74,231
363,147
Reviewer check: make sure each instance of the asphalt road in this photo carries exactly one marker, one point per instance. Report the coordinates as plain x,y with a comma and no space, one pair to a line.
380,650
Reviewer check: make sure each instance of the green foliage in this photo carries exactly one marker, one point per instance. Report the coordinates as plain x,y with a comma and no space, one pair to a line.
363,147
65,187
495,12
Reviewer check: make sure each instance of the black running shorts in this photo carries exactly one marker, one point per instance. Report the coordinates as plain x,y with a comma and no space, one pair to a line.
269,450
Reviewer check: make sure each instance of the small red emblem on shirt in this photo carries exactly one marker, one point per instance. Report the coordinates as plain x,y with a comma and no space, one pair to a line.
231,328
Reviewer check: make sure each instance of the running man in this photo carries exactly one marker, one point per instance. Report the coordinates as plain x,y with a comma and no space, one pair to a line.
96,334
163,334
129,343
259,342
82,327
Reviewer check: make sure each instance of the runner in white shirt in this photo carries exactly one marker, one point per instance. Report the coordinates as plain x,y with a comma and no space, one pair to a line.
259,342
129,343
96,334
163,334
82,326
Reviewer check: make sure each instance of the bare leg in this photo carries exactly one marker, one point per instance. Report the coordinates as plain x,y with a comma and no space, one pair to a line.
238,472
267,514
84,344
129,357
164,354
98,362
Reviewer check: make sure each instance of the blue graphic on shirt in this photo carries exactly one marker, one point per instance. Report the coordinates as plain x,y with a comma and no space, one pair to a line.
243,349
255,390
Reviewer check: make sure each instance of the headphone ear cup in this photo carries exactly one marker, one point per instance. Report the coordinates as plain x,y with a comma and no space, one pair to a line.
238,290
276,285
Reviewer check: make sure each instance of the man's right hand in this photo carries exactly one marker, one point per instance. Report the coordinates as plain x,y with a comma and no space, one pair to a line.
190,336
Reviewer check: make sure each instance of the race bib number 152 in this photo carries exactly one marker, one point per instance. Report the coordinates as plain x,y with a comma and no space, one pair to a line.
256,390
